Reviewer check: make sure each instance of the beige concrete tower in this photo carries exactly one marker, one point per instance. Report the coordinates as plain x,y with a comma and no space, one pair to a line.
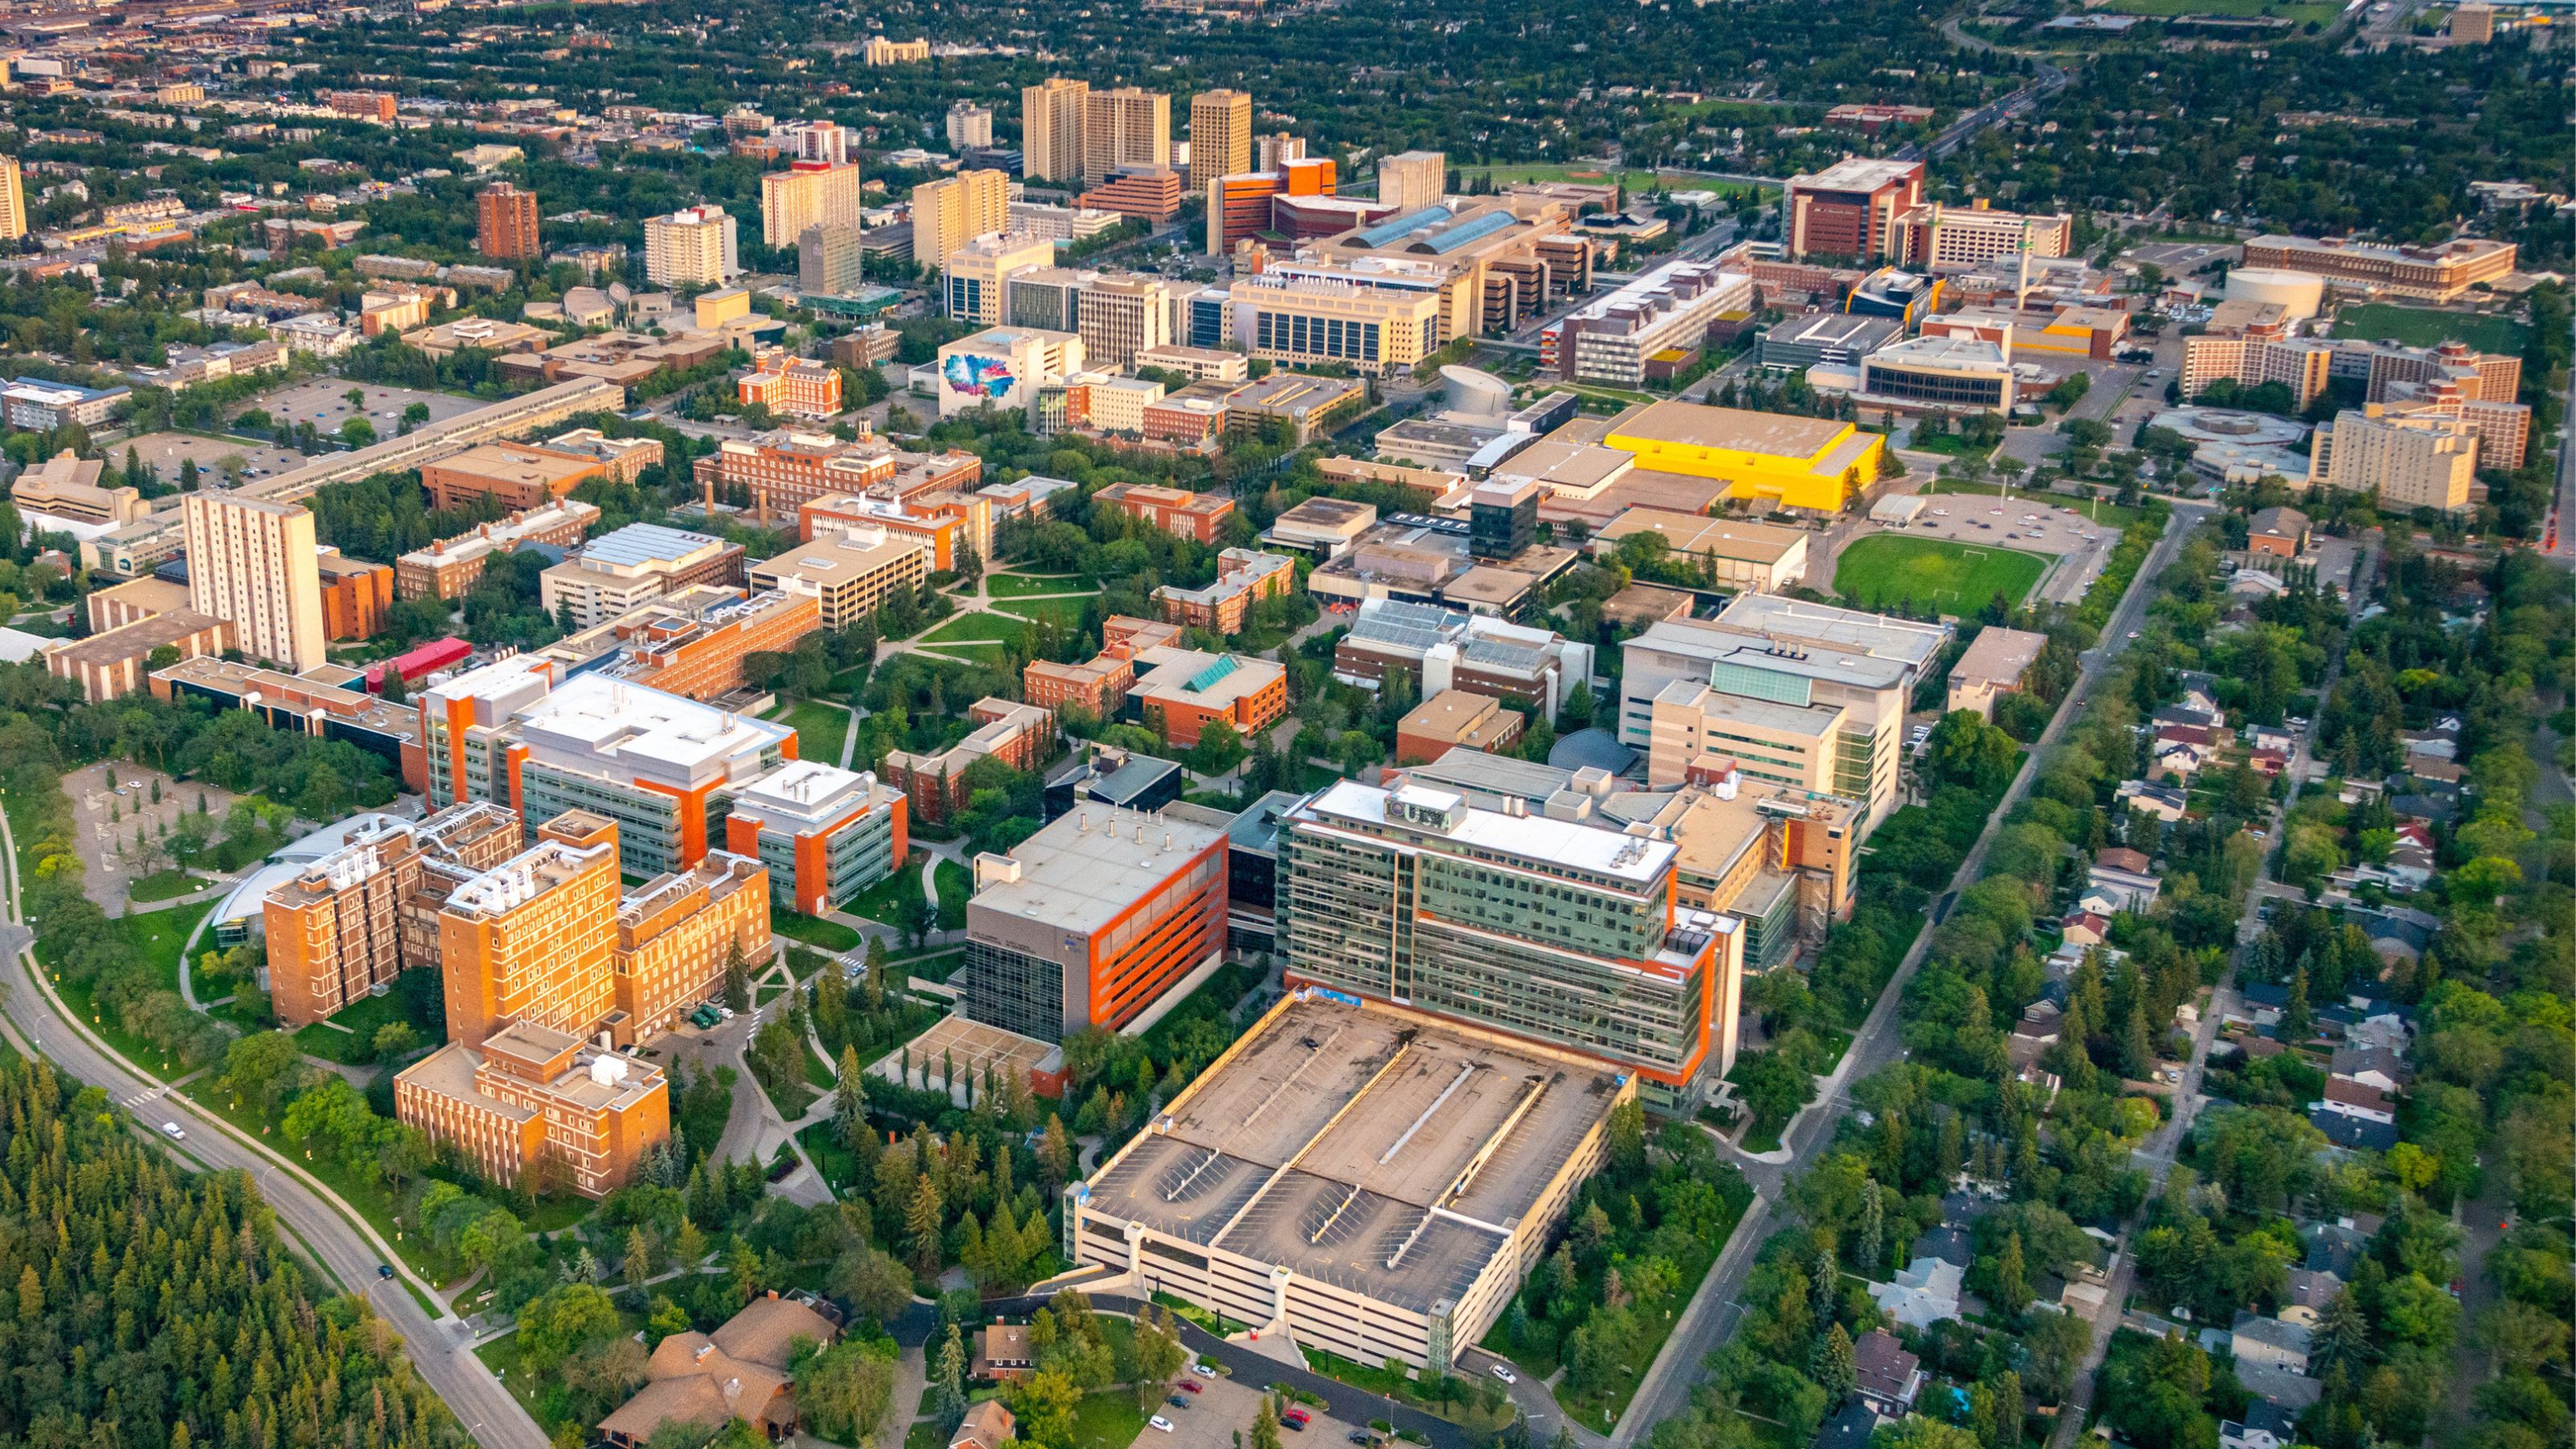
251,562
1051,121
1220,136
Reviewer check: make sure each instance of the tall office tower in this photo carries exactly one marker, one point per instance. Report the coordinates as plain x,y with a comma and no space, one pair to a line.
1271,148
1127,127
977,272
1051,122
1556,930
252,562
506,222
1122,316
1220,136
808,193
952,211
693,247
828,260
529,940
13,201
824,141
1412,180
969,125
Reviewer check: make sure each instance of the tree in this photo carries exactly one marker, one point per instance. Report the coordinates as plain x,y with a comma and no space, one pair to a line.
637,1262
1159,1355
1044,1404
843,1391
948,1378
1265,1425
2012,1281
737,978
921,1223
561,1320
1831,1365
874,1282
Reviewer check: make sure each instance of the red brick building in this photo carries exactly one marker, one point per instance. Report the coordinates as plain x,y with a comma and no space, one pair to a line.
1199,516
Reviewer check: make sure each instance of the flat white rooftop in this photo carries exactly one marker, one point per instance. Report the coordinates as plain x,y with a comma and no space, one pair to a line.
612,719
1547,842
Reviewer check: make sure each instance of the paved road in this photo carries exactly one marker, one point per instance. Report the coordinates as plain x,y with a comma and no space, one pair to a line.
1712,1312
2047,80
35,1022
2162,1145
2559,537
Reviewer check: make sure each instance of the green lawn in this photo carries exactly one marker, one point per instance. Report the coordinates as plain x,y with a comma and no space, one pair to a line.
155,940
1956,578
1107,1420
164,885
956,883
1067,612
813,930
976,629
820,728
1020,586
2425,326
884,900
362,1017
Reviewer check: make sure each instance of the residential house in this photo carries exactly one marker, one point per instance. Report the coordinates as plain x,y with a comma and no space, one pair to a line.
2382,1068
1926,1292
2085,928
2161,801
2126,877
2309,1294
1002,1352
2256,1339
741,1371
987,1425
1888,1376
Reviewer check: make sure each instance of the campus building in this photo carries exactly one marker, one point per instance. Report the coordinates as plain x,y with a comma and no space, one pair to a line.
1090,921
978,271
693,643
1412,180
1180,692
1021,736
1811,463
693,247
949,212
1199,517
1368,1180
786,469
1961,238
518,476
1613,339
2434,274
1434,650
446,569
1220,136
335,932
617,572
665,768
945,523
1100,685
1552,930
827,833
1244,577
1125,128
2410,460
1739,556
1313,316
796,386
850,572
1807,697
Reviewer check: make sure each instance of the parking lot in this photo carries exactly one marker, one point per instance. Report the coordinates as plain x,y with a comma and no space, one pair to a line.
1223,1407
324,402
164,451
2031,525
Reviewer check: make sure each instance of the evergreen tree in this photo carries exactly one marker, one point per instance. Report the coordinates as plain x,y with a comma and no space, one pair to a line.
948,1379
2012,1281
1831,1365
737,978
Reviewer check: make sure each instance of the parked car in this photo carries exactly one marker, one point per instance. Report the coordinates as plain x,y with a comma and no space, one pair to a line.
1176,1401
1504,1372
1191,1386
1159,1422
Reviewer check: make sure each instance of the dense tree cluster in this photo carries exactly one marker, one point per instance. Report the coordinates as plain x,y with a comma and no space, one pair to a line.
160,1309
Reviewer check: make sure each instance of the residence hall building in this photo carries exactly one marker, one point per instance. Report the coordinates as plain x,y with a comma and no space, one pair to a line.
1366,1179
1089,922
1769,672
1021,736
505,220
1552,930
942,522
1100,684
336,932
827,833
664,767
1851,208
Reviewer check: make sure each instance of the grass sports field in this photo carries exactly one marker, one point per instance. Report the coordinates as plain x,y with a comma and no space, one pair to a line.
2427,327
1955,578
